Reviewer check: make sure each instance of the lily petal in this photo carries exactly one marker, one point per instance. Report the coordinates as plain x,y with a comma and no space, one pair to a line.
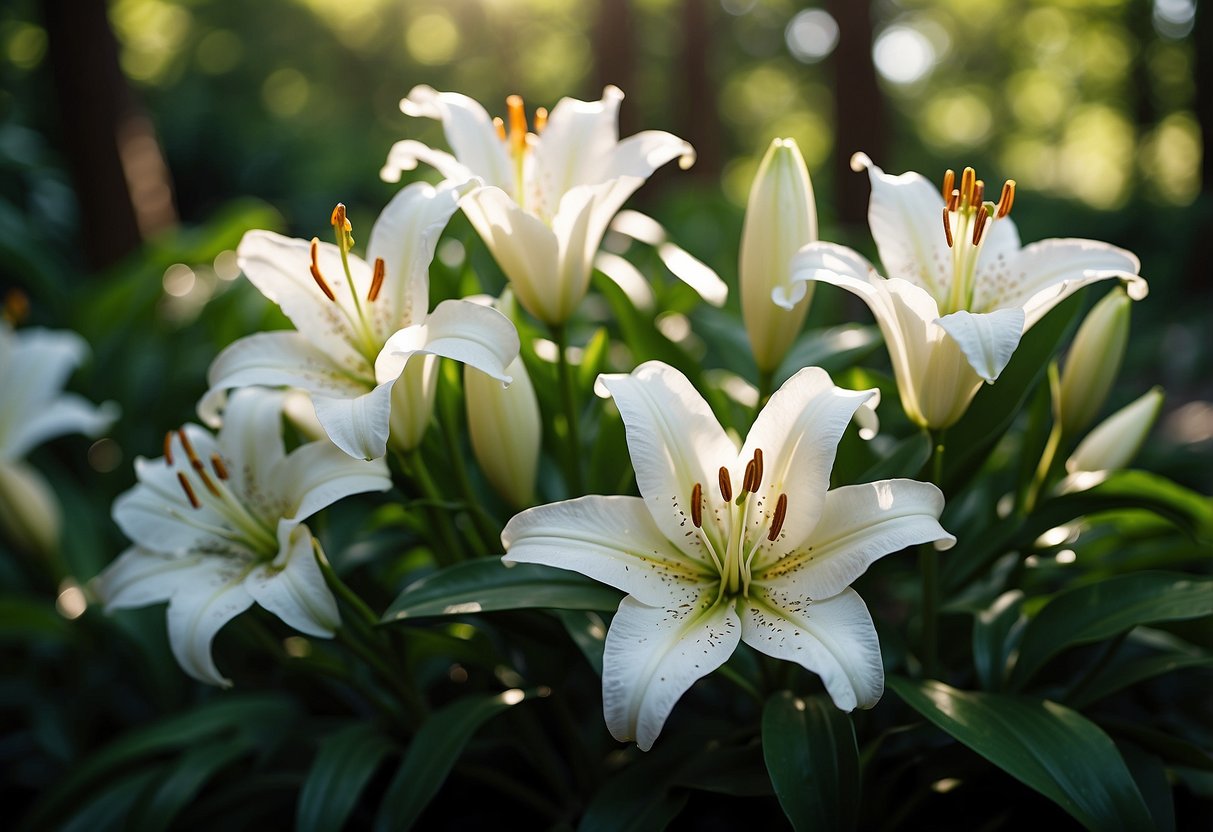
404,237
860,524
404,155
469,131
208,595
610,539
318,474
280,267
359,425
139,577
251,439
575,146
641,154
524,247
279,359
906,216
654,654
675,442
67,413
293,587
1047,272
478,336
798,432
833,637
987,339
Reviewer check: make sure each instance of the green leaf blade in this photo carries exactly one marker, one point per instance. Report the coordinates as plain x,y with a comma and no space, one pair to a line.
346,761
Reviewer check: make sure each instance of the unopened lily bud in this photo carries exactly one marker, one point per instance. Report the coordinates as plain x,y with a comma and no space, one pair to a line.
29,511
1093,361
413,402
1115,441
506,431
780,218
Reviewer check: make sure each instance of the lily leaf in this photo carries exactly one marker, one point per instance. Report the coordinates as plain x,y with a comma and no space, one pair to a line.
992,638
1046,746
1118,675
183,782
811,755
433,753
345,762
1094,612
833,349
488,584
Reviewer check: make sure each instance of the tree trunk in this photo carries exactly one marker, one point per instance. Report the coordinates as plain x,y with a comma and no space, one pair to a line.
859,119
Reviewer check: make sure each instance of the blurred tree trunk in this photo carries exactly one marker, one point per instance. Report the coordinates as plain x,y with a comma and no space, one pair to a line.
615,58
859,122
699,114
121,182
1202,32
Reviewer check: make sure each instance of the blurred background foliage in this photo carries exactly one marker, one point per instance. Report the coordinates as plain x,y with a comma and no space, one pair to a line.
140,139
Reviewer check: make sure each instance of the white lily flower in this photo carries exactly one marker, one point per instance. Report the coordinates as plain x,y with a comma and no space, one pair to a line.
1093,362
1113,443
217,524
548,196
961,292
358,322
34,366
726,546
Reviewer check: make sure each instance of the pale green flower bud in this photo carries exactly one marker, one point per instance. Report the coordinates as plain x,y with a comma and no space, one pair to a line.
1115,441
413,402
29,511
780,218
1093,361
506,431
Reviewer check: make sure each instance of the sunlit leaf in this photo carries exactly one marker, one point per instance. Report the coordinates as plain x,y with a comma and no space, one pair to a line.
1046,746
488,584
1093,612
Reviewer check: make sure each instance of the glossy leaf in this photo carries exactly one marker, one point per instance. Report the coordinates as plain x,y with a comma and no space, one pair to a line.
1118,675
185,779
1046,746
433,753
992,638
488,584
810,752
904,460
831,349
346,761
1094,612
588,631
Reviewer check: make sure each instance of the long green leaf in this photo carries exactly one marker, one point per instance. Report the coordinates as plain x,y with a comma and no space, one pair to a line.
810,752
184,781
432,754
488,584
185,730
1093,612
345,762
992,638
1048,747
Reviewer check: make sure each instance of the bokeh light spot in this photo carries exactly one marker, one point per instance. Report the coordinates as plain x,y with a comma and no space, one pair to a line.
432,38
903,54
811,35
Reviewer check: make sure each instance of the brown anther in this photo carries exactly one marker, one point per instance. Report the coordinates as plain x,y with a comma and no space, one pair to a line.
185,443
747,482
979,192
967,180
947,226
16,306
697,506
949,182
376,280
517,116
188,489
781,513
541,119
954,201
168,448
726,484
979,224
1007,199
220,468
757,469
339,220
316,275
499,126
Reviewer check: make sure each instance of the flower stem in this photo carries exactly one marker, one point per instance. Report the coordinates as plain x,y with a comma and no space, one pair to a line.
486,531
766,380
569,398
414,465
1047,458
928,566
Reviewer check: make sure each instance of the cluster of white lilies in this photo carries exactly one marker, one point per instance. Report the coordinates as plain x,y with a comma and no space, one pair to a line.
722,545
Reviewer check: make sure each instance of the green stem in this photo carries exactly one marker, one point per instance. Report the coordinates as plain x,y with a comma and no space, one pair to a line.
414,465
486,535
928,566
569,398
1044,469
742,682
766,380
